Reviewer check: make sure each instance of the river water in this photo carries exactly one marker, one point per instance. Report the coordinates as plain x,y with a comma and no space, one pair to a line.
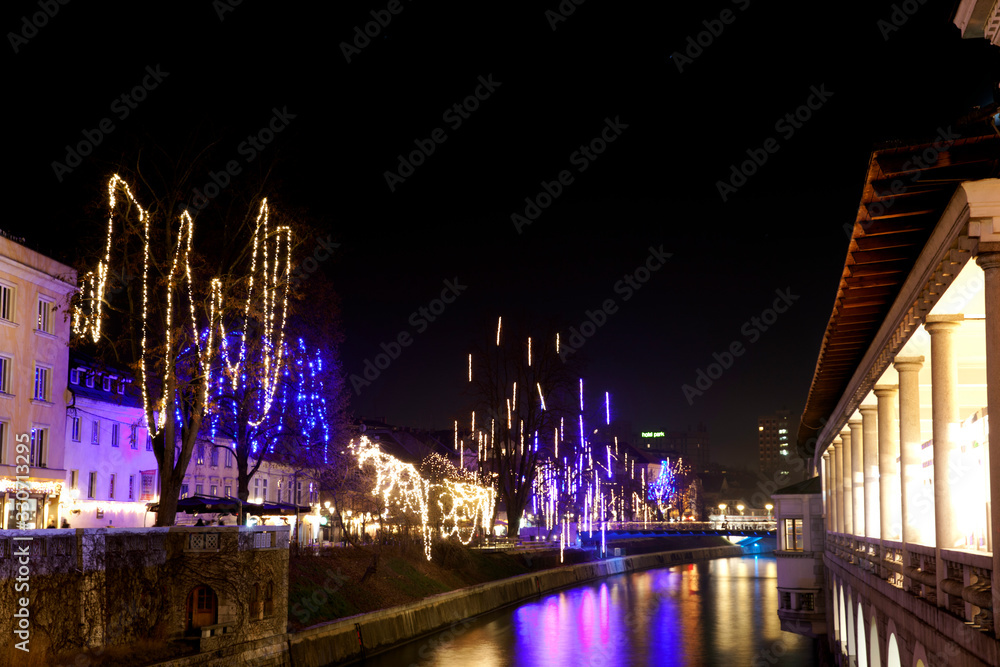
721,612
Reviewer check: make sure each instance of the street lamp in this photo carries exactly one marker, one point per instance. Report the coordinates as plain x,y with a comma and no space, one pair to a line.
769,507
740,508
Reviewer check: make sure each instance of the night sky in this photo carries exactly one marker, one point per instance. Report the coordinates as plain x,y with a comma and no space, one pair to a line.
548,85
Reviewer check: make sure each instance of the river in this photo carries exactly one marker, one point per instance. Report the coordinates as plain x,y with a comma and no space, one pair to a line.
721,612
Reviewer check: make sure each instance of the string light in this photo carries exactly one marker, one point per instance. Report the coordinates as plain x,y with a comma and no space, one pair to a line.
402,489
88,317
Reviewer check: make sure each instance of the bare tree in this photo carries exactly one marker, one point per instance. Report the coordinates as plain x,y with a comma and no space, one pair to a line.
521,389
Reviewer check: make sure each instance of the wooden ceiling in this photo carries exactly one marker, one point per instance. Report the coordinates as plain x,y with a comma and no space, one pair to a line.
905,193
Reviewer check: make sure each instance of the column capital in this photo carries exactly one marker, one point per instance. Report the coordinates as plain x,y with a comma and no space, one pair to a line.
867,409
854,422
942,323
836,443
885,390
846,433
988,260
903,364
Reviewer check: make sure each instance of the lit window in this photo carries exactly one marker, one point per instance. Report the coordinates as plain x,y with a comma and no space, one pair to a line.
111,487
6,303
41,383
215,490
73,479
44,321
184,490
201,454
229,492
198,489
793,535
39,445
5,364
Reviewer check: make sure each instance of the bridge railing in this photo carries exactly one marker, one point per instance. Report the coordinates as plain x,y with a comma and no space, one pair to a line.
965,581
692,526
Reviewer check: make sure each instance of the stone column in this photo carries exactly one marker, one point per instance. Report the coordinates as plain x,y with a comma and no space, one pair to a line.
990,263
858,476
848,481
824,478
914,501
838,486
869,427
944,411
888,468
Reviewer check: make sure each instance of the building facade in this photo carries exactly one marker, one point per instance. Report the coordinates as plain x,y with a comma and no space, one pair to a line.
898,414
34,339
774,445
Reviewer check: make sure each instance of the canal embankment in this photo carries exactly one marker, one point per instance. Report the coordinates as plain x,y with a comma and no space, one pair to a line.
355,637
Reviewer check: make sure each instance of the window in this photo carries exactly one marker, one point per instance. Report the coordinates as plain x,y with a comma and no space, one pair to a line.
149,442
5,364
44,322
229,492
115,431
264,485
133,438
6,303
75,429
229,458
256,488
111,487
39,444
92,486
3,442
199,490
298,493
95,432
131,487
74,376
255,602
215,490
215,457
793,535
121,387
786,600
201,454
41,383
73,479
184,490
90,380
106,385
269,598
148,479
807,602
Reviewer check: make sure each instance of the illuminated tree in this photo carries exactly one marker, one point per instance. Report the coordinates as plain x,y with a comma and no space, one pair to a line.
520,386
159,301
669,488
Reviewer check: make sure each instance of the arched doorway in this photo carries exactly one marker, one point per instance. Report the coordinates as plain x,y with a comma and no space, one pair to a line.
202,607
844,628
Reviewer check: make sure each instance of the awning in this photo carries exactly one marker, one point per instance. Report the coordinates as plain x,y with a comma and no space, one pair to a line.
201,504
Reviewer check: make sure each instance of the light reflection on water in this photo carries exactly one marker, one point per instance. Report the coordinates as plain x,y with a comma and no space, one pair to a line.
721,612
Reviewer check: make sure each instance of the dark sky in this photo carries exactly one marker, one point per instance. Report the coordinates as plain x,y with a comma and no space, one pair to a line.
225,74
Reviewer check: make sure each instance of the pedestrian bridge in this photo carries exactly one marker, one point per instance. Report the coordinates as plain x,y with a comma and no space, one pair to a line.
632,529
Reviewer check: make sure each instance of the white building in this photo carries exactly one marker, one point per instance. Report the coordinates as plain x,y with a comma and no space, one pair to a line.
34,334
111,471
